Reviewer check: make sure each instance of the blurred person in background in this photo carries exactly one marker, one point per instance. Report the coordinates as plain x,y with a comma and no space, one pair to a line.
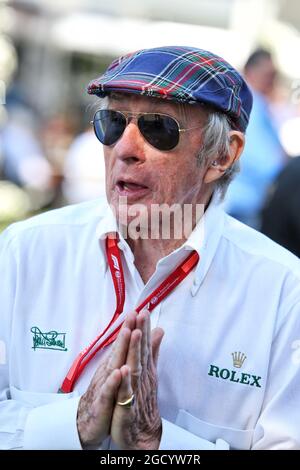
281,214
14,202
263,156
211,366
57,134
84,169
24,162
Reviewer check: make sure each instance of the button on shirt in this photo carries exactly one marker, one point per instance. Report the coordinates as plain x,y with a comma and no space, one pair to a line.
229,361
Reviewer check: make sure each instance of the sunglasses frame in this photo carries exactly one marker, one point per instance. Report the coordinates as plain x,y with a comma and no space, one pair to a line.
129,115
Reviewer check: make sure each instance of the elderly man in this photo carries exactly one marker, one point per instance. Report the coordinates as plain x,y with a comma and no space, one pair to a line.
82,287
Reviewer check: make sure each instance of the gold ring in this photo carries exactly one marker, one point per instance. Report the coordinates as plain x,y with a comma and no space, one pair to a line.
127,403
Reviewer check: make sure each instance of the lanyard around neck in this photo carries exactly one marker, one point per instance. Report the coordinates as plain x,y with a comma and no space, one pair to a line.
111,331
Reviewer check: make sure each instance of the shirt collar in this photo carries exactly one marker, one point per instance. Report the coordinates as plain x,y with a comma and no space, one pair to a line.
108,224
204,238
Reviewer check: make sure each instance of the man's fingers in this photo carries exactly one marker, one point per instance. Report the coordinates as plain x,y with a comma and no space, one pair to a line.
95,410
143,323
105,403
123,420
156,339
109,389
130,320
134,356
120,349
125,391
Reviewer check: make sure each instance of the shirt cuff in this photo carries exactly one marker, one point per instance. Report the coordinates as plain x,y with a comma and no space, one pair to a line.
176,438
53,426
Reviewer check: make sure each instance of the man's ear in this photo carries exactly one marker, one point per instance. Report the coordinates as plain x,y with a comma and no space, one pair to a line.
219,165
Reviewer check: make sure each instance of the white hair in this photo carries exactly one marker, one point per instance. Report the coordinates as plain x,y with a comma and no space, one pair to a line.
216,146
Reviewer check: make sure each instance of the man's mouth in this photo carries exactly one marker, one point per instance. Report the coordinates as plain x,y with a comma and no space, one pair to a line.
129,188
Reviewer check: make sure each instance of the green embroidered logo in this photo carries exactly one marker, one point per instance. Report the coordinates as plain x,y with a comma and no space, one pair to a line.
49,340
244,378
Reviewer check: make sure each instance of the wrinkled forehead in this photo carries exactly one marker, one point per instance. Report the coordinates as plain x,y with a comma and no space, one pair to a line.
138,103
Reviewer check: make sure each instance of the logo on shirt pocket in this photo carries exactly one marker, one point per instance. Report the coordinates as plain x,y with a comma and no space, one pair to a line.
49,340
236,376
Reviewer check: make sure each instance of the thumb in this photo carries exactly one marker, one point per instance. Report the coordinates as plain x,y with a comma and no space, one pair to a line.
156,338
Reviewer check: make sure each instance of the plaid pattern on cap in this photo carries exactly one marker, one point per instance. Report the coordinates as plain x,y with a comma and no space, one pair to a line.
182,74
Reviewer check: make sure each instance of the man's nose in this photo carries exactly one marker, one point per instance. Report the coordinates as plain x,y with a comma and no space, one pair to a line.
131,145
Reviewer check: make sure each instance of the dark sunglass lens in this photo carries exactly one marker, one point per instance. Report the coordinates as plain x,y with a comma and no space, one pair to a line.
159,130
109,126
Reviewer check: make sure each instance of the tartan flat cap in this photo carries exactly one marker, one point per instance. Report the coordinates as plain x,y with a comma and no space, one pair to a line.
181,74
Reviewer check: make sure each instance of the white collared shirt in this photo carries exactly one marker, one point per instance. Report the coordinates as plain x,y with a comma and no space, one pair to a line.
229,361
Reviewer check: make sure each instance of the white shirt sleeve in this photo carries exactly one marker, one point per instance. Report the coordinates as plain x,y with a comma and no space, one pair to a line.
23,423
278,425
12,414
53,426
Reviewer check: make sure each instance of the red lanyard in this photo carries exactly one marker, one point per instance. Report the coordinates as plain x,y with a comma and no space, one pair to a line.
107,336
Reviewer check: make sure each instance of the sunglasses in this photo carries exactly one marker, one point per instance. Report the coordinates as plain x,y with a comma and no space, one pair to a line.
160,130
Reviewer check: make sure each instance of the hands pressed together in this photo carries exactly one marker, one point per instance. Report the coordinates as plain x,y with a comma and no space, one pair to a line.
129,369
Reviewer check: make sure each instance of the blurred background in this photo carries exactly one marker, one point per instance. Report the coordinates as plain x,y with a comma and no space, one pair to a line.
50,50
